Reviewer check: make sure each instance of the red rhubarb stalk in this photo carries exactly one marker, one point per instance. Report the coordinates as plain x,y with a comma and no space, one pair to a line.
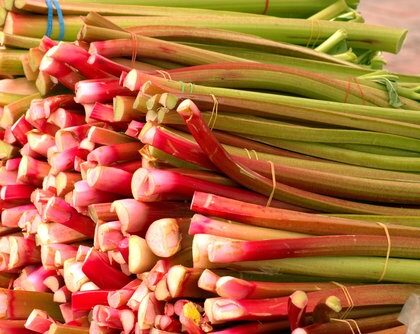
288,220
220,310
86,300
226,251
99,270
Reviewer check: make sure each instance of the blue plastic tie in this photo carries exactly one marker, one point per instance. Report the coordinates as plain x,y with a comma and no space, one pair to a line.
50,18
60,20
50,4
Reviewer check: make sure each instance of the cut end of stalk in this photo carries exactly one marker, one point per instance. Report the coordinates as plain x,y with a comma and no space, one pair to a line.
219,310
45,63
185,108
299,331
140,257
334,303
176,276
142,184
164,238
208,281
131,79
299,299
234,288
401,41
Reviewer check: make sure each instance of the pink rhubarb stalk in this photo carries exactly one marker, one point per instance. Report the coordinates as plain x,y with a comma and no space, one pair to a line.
62,72
106,155
136,217
110,179
57,210
99,90
155,184
77,58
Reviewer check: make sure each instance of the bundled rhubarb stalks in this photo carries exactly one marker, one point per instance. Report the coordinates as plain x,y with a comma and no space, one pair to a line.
195,178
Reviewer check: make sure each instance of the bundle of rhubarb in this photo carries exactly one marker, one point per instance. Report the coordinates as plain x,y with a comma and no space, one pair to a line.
227,173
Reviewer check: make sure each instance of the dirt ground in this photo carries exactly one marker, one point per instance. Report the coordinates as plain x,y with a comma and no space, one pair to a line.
398,13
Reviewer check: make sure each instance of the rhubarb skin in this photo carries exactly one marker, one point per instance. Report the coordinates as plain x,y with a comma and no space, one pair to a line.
101,272
17,305
220,310
210,204
86,300
261,184
356,245
14,327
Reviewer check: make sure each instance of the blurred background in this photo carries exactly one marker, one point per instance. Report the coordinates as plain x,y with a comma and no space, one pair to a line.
398,13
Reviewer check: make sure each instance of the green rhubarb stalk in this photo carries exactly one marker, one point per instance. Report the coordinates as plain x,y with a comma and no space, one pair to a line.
3,13
315,65
323,116
412,221
357,268
216,37
6,98
11,62
339,36
44,83
14,110
18,304
283,79
35,58
90,32
67,329
251,125
123,109
348,56
118,9
303,8
29,73
16,41
409,116
154,48
295,31
405,164
330,12
7,150
378,150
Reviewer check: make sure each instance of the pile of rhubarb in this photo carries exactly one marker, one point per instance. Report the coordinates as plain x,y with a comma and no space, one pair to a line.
202,170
